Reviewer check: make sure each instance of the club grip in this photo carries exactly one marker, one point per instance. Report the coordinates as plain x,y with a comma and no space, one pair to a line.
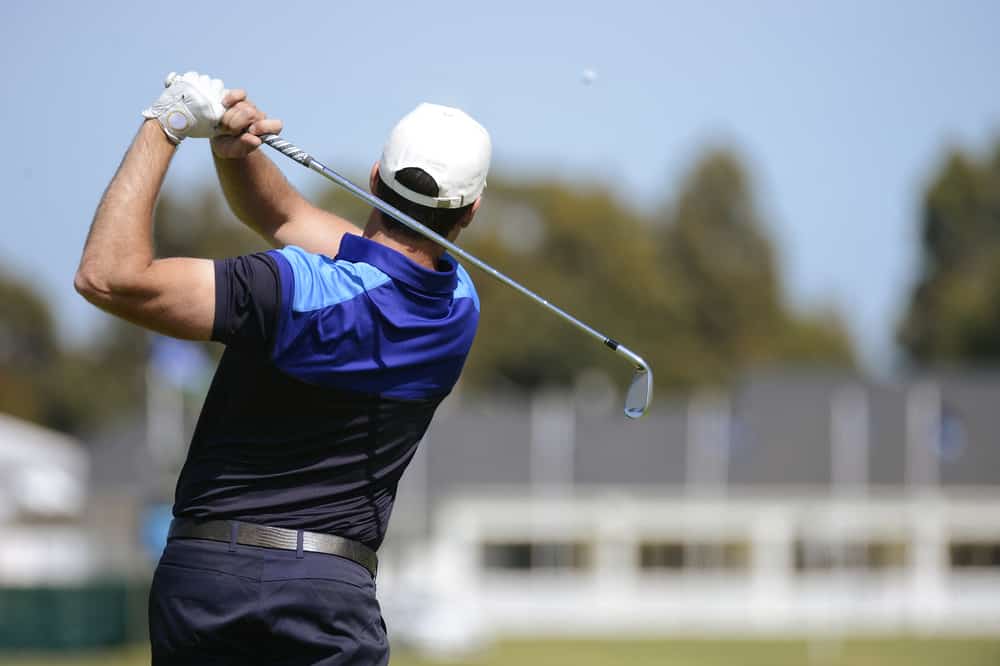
287,148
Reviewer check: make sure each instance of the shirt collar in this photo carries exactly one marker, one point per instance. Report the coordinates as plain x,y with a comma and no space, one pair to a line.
356,248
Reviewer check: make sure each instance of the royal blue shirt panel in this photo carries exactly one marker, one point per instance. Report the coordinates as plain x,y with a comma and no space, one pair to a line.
372,321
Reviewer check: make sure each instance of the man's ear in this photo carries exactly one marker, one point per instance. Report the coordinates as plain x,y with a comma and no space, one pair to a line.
467,218
373,178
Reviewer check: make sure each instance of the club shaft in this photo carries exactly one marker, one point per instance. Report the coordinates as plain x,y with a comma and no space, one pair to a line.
290,150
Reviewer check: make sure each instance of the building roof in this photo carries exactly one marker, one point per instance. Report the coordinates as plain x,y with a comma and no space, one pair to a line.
770,429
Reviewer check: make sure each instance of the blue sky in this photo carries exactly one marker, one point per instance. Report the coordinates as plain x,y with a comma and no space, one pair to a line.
843,110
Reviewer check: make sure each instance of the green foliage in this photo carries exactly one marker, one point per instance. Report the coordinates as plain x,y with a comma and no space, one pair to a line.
27,349
954,314
97,384
201,226
725,267
67,389
581,250
344,204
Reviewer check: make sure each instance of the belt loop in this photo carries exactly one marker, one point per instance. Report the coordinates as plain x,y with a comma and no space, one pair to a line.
299,538
234,530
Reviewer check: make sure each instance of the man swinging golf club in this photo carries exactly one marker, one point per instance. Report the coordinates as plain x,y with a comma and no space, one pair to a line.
339,348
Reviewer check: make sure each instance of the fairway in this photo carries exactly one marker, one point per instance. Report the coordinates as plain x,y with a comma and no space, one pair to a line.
874,652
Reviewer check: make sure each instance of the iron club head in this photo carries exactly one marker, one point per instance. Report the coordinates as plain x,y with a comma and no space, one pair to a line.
640,393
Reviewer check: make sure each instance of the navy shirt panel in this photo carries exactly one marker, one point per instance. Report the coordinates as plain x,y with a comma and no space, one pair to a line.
332,373
247,300
272,450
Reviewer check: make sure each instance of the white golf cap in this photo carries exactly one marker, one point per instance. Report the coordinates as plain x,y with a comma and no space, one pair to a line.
446,143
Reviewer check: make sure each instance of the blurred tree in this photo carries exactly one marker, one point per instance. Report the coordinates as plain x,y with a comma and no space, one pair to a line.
954,312
200,225
585,252
726,269
40,381
346,205
92,386
28,347
818,338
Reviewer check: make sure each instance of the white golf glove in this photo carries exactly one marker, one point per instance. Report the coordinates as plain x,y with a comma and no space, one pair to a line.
190,106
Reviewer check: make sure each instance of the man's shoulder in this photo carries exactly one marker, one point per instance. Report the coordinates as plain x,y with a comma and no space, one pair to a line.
318,281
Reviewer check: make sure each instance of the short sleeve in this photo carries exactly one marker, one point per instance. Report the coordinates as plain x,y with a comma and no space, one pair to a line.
247,301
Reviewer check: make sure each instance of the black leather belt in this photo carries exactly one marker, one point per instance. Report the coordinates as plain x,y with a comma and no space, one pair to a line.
248,534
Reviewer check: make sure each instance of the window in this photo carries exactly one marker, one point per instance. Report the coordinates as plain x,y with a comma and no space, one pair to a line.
706,556
952,437
661,555
974,554
858,555
526,556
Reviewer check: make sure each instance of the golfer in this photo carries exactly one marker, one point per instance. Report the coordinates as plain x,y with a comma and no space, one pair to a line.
340,345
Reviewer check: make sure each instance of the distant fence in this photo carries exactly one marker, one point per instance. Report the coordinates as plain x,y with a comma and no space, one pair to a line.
96,614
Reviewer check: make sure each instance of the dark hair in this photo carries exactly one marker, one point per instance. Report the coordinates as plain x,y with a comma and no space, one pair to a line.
440,220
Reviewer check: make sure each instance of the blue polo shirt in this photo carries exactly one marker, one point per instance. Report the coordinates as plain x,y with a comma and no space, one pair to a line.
332,371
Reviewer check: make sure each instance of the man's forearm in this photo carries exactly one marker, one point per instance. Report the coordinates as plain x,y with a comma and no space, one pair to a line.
120,242
258,192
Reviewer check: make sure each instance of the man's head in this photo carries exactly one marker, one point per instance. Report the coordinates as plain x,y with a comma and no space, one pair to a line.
433,168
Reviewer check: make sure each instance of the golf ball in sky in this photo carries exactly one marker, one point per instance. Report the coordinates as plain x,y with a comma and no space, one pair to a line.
588,77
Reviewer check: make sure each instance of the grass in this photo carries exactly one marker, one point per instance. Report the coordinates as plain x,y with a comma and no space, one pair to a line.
852,652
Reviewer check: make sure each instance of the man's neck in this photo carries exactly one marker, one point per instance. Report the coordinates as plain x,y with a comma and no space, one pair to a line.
423,252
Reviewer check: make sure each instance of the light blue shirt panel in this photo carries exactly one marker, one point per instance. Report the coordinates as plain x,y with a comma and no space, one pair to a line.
322,282
465,288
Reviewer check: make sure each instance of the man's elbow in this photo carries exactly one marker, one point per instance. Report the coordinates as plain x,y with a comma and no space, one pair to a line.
93,286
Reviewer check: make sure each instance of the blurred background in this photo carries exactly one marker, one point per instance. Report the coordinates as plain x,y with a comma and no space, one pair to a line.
791,210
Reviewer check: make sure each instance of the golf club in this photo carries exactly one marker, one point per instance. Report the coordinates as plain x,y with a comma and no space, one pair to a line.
640,391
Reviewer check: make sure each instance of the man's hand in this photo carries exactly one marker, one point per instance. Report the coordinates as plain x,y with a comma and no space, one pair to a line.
241,127
191,105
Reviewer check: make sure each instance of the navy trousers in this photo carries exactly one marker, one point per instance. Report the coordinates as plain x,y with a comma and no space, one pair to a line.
214,603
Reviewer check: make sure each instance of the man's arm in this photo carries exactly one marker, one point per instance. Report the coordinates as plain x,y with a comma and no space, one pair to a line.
257,191
118,273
